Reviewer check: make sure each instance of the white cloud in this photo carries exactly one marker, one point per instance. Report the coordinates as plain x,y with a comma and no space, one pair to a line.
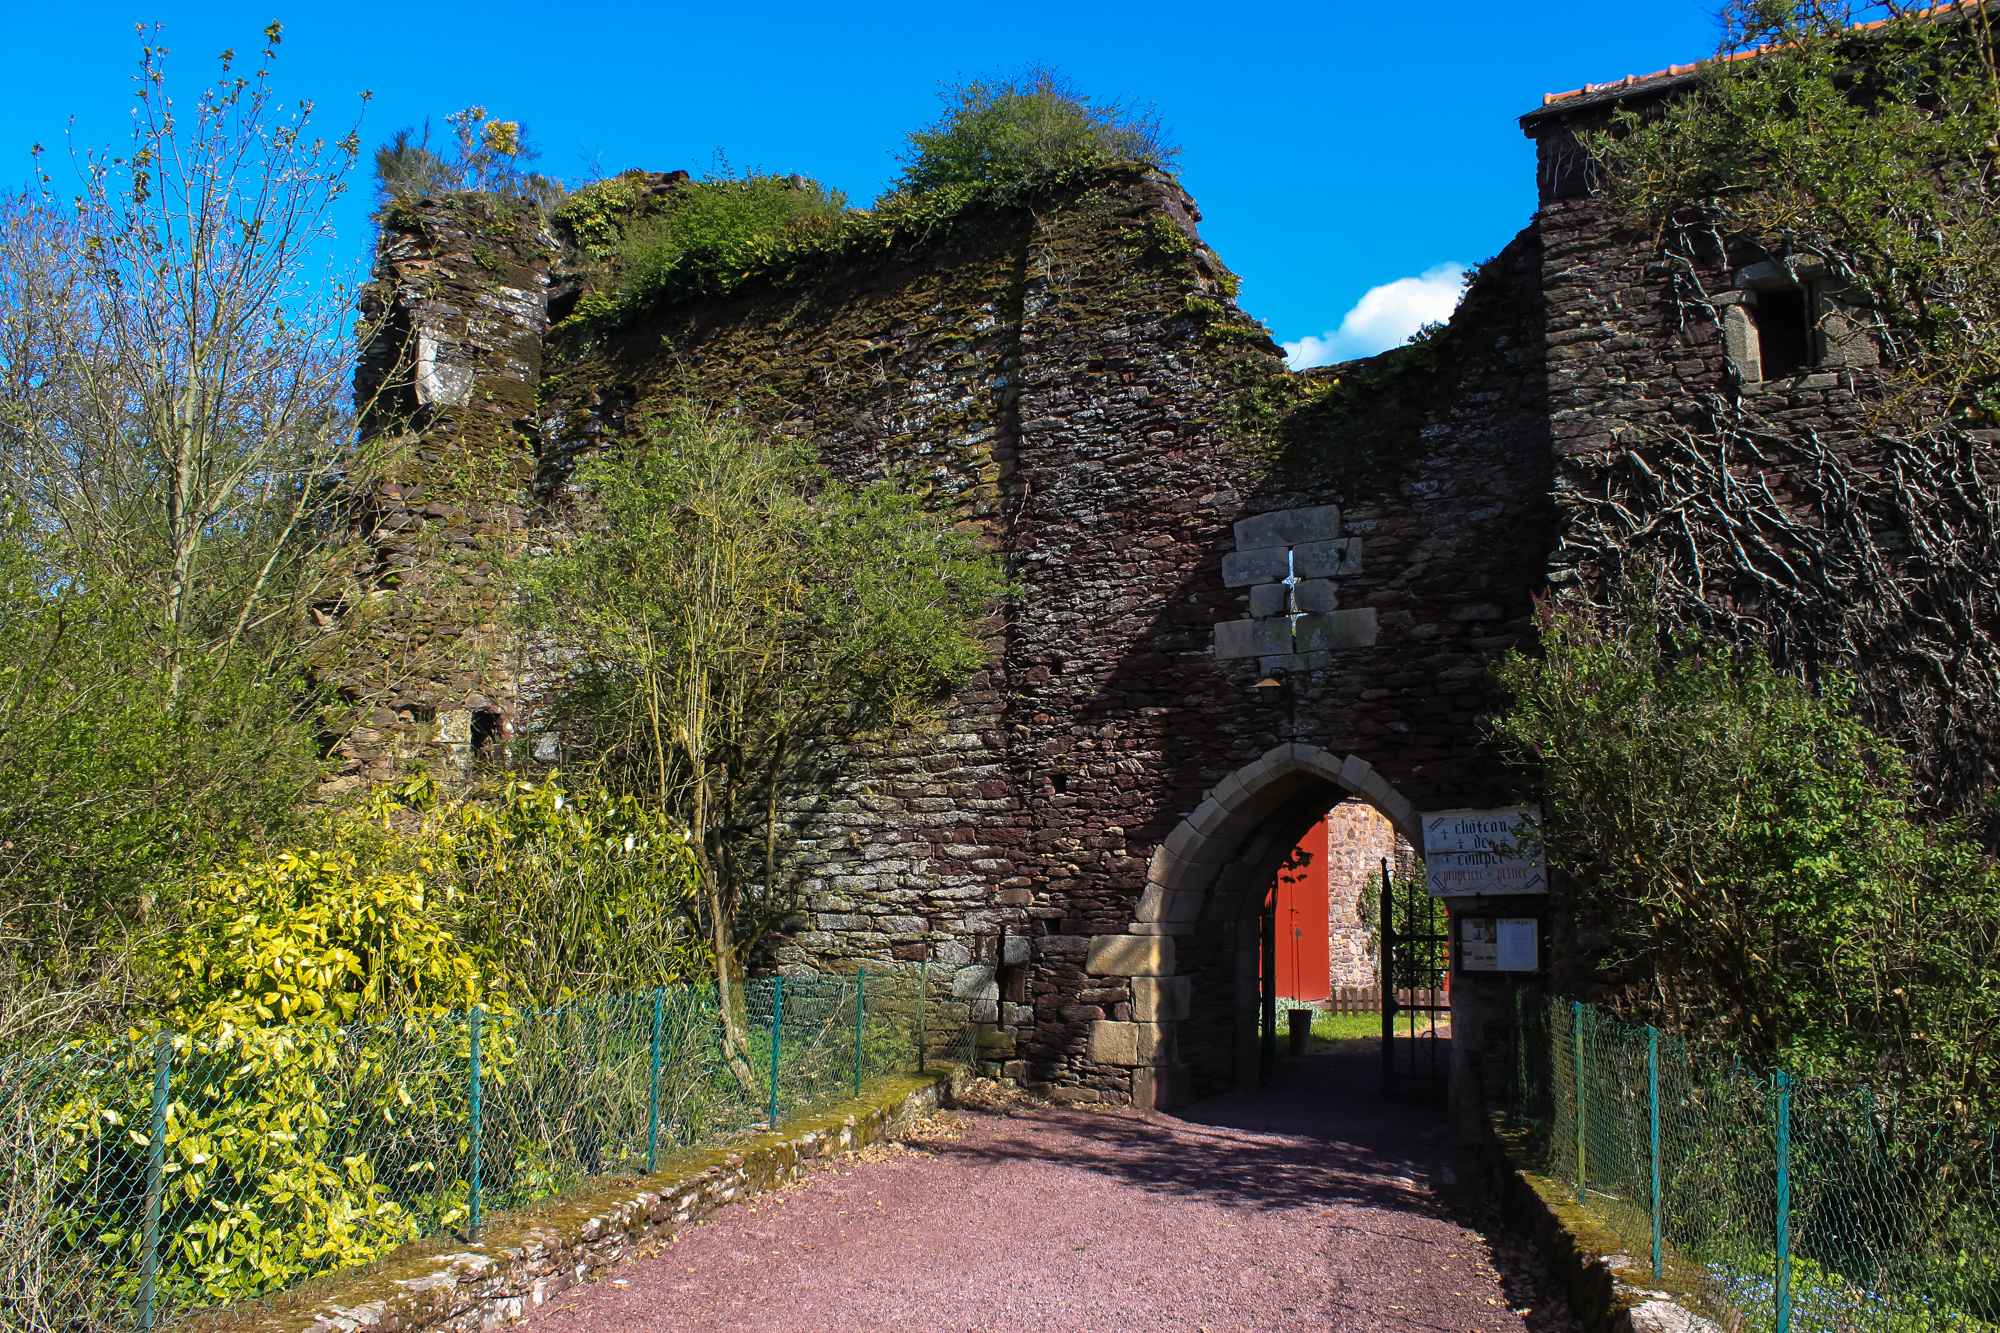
1384,317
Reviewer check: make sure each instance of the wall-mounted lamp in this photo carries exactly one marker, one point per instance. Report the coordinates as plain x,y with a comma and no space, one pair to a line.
1271,689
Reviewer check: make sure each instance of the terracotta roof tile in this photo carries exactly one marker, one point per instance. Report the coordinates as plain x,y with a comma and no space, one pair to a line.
1672,73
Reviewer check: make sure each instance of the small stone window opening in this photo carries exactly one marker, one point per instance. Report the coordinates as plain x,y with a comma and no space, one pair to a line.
1785,332
1791,322
488,733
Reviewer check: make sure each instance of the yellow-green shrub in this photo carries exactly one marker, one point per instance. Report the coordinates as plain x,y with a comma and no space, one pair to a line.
318,1113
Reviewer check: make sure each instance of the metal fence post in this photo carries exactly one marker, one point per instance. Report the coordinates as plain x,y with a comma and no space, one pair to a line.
653,1097
1582,1170
472,1023
1385,956
1784,1275
923,1012
156,1155
860,1016
1653,1094
777,1033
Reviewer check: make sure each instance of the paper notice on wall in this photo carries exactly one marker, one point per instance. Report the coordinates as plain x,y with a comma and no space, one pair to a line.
1470,852
1478,944
1518,945
1498,944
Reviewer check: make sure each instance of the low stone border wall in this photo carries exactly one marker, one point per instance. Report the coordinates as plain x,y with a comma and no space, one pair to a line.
523,1262
1605,1285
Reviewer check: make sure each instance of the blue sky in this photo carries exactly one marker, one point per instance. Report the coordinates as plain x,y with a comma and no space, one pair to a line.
1348,158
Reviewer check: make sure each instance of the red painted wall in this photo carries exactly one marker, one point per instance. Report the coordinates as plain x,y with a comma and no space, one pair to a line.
1302,922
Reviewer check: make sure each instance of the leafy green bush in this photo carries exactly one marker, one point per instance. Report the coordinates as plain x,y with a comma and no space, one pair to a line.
725,224
1744,860
699,236
1008,133
318,1043
410,903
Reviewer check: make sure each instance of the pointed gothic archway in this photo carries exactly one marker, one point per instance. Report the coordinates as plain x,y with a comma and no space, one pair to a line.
1190,957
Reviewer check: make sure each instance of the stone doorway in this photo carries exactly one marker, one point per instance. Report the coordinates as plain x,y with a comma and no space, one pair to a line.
1192,955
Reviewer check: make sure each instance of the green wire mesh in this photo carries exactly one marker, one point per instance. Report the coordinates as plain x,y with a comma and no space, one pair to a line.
146,1178
1888,1224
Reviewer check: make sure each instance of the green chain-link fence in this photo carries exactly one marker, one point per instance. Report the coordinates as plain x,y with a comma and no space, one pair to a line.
144,1178
1801,1205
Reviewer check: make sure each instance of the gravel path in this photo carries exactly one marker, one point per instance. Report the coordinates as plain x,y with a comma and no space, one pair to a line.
1307,1206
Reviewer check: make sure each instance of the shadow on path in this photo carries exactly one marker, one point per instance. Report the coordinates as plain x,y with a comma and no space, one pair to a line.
1307,1207
1321,1132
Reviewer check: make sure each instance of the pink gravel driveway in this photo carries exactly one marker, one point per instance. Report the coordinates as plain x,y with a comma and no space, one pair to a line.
1307,1206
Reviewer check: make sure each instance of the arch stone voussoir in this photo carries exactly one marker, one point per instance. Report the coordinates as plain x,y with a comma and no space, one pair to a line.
1187,861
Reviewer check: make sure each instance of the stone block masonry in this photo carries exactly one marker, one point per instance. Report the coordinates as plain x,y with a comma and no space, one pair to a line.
1670,445
1041,373
449,367
1358,841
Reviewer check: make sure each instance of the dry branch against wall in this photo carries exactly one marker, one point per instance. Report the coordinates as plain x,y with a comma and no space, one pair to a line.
1879,558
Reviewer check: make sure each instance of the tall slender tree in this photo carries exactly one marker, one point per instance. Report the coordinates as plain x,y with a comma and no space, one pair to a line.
729,620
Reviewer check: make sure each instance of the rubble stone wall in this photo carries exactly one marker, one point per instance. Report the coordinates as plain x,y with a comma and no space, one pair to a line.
450,365
1358,840
1812,514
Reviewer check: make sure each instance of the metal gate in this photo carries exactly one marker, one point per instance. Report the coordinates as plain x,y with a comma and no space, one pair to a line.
1413,929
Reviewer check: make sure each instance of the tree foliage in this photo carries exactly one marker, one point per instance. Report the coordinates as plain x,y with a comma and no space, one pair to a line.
729,619
1866,150
1744,861
173,414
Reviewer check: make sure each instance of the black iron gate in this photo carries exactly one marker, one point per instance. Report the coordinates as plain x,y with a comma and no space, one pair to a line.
1413,928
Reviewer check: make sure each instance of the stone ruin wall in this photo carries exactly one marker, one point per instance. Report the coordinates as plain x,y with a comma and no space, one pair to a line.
1059,377
1046,375
1050,375
449,366
1051,379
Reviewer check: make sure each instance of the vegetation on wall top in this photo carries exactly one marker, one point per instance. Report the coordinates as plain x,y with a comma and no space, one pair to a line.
1008,134
1007,142
489,157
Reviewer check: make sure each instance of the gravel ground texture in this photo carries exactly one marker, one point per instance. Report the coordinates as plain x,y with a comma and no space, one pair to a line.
1314,1204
